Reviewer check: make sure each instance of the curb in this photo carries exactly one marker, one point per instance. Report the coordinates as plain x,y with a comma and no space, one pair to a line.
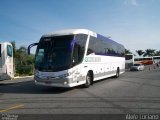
21,77
17,79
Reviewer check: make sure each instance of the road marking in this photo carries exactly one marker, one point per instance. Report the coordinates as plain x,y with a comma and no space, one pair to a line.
11,108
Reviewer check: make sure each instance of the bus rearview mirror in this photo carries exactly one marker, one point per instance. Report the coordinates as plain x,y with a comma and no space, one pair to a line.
30,46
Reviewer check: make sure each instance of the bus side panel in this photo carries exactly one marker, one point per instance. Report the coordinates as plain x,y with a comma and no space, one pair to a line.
6,69
3,74
104,66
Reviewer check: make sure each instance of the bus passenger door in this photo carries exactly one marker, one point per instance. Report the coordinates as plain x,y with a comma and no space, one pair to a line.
76,63
9,61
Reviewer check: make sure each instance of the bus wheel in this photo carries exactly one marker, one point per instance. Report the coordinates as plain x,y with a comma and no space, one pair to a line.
117,73
88,80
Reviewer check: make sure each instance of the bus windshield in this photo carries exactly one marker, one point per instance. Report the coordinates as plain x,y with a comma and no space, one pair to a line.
59,52
54,53
128,57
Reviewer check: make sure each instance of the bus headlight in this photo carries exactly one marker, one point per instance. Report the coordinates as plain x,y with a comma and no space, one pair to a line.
65,82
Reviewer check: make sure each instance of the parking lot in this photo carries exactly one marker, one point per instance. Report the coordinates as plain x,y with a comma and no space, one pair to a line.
132,92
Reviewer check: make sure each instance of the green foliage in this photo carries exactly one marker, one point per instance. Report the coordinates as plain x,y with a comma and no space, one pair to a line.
140,52
149,52
24,63
157,53
24,70
127,51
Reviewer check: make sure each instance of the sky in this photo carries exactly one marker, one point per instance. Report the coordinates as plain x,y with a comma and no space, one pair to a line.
133,23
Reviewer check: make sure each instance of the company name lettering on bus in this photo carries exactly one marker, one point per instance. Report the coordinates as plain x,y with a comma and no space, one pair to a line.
92,59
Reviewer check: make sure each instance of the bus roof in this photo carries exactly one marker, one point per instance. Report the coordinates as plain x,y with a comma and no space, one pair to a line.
156,56
5,43
71,32
80,31
129,54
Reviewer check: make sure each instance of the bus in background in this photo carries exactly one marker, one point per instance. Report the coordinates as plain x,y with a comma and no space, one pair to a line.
156,59
6,61
147,61
144,60
129,60
75,57
138,60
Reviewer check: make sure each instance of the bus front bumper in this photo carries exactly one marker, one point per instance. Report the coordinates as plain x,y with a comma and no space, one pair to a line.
52,84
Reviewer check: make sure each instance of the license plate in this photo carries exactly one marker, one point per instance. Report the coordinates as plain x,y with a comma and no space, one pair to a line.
48,82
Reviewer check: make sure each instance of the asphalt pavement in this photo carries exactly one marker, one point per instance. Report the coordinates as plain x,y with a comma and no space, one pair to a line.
136,92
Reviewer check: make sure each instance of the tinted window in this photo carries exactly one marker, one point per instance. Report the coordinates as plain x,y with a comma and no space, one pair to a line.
79,48
9,50
156,58
147,58
137,64
104,47
60,52
93,43
136,59
128,57
54,53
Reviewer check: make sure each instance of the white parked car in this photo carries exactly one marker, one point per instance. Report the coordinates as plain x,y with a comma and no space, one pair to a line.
137,67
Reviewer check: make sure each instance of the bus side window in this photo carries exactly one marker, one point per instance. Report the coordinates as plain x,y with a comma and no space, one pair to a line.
9,50
89,51
75,54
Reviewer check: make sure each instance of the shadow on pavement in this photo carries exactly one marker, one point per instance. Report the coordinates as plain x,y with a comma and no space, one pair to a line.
28,87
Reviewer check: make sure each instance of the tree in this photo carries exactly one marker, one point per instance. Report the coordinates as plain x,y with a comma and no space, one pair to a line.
157,53
140,52
23,62
128,51
149,52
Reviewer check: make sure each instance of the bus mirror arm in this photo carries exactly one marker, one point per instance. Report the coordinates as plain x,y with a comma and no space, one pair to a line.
30,46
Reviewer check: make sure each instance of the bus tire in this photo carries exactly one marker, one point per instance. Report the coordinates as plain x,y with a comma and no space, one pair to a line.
89,80
117,73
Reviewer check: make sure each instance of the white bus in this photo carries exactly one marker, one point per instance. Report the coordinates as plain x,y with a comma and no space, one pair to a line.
75,57
144,60
6,61
129,60
156,59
